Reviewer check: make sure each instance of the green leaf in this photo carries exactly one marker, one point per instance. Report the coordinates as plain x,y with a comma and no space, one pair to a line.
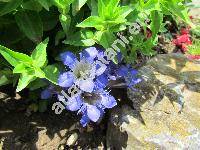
51,73
156,22
177,9
45,3
39,55
63,5
101,7
59,35
24,80
5,77
32,5
65,21
194,49
77,5
125,11
38,72
92,21
49,19
38,83
152,5
105,38
94,7
30,24
111,7
20,68
81,38
4,80
10,6
14,58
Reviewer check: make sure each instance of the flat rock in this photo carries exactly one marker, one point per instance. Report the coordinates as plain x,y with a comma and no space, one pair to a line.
166,109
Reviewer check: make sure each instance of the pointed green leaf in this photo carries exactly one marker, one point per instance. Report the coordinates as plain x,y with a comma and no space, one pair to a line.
14,58
94,7
39,55
156,22
105,38
101,7
81,38
51,73
45,3
65,21
24,80
20,68
125,11
92,21
77,5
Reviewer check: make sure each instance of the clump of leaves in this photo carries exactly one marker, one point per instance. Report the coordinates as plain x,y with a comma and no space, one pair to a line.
31,67
110,18
80,23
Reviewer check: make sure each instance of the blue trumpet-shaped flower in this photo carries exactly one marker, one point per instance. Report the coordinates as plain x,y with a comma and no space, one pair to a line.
82,73
90,105
91,78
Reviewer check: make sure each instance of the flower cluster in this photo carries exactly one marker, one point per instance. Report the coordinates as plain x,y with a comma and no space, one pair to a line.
183,39
92,78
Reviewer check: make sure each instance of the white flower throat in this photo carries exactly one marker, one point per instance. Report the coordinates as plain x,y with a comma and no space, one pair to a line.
84,70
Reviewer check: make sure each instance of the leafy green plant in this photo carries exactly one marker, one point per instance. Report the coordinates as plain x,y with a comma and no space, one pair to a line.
155,10
73,24
110,18
31,67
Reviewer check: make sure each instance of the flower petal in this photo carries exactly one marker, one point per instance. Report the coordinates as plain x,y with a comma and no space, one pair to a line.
100,68
133,72
122,71
74,104
84,120
93,113
101,81
89,53
108,101
69,59
86,85
66,79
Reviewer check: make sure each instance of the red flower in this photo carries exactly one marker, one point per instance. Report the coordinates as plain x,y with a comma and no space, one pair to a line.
183,40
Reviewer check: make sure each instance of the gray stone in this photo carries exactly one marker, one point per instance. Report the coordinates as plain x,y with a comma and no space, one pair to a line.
166,109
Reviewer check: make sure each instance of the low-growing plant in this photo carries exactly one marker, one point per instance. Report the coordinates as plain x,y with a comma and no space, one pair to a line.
43,29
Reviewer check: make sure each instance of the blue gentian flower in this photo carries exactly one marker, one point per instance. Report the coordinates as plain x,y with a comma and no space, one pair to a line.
90,105
129,74
82,73
92,79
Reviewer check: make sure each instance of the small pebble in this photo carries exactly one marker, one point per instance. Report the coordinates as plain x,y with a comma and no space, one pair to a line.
17,96
72,139
62,147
